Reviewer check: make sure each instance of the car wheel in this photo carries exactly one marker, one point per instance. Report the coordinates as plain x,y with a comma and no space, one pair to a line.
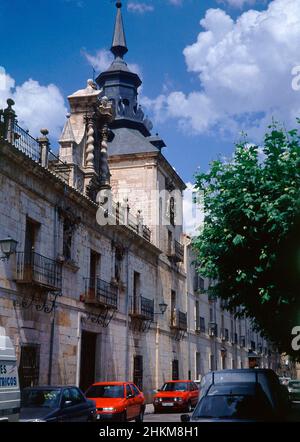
124,417
140,417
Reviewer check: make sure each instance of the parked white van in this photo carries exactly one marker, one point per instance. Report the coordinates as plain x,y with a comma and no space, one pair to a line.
9,380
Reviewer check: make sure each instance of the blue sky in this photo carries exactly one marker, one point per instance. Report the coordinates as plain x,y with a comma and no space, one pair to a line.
199,99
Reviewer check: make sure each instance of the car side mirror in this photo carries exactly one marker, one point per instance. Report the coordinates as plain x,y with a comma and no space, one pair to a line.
67,404
185,418
130,396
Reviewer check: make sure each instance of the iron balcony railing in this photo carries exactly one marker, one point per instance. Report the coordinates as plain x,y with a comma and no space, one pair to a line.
59,167
101,292
175,251
33,148
124,217
142,307
24,142
33,268
178,320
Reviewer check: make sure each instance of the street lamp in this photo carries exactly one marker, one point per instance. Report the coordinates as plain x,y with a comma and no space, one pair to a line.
162,307
8,247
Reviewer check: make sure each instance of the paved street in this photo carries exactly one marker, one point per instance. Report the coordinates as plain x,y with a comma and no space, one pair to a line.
175,417
165,417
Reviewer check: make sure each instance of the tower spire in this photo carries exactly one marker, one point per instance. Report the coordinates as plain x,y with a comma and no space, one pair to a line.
119,47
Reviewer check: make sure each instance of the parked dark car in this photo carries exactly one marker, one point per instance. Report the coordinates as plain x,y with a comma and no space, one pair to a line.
294,390
56,404
239,402
266,378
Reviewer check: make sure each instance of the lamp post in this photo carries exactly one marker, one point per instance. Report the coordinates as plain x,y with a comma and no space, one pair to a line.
163,308
8,246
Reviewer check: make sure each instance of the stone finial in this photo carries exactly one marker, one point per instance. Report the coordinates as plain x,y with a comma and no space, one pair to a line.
44,132
91,83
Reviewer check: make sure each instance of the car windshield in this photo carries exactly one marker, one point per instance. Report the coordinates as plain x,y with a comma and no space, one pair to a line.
233,407
175,386
295,384
105,391
40,398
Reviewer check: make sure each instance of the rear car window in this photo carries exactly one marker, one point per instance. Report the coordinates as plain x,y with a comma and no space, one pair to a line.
105,391
221,378
175,386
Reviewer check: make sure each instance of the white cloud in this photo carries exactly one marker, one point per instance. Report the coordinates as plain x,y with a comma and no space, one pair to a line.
244,68
238,3
103,59
139,8
193,215
176,2
36,106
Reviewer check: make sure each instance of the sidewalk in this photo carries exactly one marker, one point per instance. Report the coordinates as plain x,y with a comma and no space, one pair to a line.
149,409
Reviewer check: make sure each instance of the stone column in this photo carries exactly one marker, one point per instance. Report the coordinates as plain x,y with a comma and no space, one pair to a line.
89,152
9,121
44,147
104,169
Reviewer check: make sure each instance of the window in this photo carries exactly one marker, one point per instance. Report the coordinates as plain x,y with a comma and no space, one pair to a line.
211,362
175,370
94,270
198,283
198,365
68,229
76,396
29,365
170,242
105,391
202,324
138,371
172,211
136,291
135,390
197,315
128,390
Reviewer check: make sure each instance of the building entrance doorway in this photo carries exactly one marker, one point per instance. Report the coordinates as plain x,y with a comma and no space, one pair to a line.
87,359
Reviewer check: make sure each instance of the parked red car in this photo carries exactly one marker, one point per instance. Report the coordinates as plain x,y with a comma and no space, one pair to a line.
117,401
176,396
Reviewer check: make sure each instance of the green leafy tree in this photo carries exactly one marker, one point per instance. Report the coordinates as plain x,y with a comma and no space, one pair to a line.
250,242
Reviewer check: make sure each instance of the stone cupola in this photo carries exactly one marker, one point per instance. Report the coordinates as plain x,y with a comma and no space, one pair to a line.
83,143
121,85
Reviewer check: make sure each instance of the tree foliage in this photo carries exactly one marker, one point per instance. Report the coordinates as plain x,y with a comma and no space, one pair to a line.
250,243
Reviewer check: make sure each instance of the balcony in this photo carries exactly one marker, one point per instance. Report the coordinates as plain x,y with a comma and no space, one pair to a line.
178,320
213,329
35,269
175,251
224,335
123,216
142,308
101,293
242,341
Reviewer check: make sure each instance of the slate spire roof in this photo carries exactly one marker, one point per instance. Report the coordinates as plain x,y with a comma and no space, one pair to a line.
119,47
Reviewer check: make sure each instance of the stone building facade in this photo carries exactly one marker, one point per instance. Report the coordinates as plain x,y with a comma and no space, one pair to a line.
102,285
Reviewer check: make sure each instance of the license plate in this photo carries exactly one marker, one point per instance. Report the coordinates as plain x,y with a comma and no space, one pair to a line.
167,404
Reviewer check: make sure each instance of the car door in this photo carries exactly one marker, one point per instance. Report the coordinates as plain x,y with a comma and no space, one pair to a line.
195,393
80,406
72,406
130,402
138,400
